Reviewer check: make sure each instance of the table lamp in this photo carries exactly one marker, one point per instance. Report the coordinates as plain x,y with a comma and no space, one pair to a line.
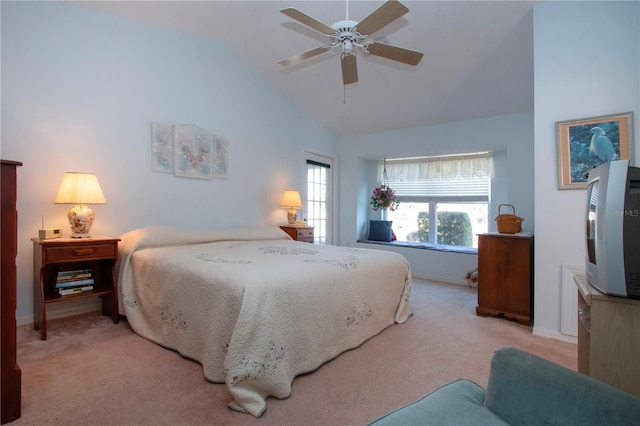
80,189
292,201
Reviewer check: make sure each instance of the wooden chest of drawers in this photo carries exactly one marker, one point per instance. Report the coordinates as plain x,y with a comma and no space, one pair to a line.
11,383
505,276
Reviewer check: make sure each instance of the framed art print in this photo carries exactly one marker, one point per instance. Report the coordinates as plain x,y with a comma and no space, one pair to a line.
220,158
586,143
162,147
192,152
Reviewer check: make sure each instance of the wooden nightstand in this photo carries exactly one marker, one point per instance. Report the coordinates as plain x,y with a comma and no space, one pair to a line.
299,233
97,254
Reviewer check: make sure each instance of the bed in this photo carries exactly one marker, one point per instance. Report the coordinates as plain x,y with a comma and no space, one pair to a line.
254,307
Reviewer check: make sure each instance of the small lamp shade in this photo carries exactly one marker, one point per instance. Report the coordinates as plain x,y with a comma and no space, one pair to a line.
80,189
292,201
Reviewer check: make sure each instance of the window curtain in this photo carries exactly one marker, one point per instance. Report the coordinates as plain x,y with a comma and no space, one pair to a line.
444,178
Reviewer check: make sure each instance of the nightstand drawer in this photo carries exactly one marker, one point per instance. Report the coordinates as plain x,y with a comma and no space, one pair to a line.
299,233
80,252
305,233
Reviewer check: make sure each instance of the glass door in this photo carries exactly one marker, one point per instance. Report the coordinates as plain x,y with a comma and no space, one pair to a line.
319,197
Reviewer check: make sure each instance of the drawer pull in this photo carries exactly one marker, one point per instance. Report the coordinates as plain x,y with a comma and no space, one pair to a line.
83,252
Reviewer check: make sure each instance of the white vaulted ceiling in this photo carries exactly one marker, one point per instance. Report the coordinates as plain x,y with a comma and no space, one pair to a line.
478,57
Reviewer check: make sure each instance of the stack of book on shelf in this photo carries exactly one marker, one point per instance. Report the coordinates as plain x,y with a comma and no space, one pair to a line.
76,281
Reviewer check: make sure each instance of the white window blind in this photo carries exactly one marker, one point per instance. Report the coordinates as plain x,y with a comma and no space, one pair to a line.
444,178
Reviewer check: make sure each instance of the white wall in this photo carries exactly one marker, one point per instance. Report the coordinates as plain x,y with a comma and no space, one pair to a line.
509,136
587,63
79,92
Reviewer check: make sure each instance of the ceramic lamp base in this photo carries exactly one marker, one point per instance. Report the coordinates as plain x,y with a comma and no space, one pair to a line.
292,216
81,219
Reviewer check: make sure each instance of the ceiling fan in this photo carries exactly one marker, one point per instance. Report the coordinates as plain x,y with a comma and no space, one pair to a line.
347,35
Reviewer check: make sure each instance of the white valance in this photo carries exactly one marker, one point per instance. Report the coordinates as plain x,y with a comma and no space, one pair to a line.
444,178
440,167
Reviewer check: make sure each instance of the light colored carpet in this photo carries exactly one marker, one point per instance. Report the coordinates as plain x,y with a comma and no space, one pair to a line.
92,372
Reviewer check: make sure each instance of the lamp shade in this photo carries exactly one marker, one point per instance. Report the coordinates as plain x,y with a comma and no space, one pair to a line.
291,199
79,188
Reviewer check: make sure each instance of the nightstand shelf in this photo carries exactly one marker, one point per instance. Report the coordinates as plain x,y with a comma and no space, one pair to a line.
98,255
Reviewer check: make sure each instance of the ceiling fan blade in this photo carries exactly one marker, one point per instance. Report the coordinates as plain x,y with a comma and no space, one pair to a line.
305,55
382,16
349,69
302,17
395,53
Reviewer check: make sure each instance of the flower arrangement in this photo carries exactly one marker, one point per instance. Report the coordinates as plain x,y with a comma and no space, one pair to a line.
472,277
384,198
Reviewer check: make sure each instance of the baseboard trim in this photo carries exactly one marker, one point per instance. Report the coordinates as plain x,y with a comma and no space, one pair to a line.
554,335
569,300
441,280
66,309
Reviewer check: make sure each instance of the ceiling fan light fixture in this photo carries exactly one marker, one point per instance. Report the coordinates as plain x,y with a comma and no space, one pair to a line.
347,47
346,34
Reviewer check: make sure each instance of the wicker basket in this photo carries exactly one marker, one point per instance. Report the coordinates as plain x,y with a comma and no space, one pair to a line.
508,223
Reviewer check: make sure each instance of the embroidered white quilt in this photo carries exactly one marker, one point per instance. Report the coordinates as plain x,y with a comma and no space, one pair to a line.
254,307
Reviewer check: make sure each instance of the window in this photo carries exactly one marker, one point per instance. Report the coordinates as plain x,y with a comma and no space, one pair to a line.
318,199
443,200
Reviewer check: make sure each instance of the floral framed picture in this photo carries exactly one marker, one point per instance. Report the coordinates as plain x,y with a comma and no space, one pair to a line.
162,147
586,143
192,152
220,158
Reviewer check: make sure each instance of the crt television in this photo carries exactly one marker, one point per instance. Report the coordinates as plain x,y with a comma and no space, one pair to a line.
613,229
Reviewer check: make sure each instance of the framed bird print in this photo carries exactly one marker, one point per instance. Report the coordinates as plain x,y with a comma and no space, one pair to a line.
586,143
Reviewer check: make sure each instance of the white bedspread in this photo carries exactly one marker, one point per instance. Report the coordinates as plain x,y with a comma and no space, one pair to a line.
254,307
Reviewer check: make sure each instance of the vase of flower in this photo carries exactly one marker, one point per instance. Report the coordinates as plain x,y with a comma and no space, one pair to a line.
384,198
472,278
